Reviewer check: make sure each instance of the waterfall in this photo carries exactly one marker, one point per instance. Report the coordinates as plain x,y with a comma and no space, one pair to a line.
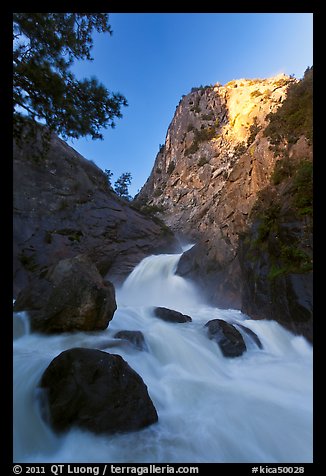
154,283
253,408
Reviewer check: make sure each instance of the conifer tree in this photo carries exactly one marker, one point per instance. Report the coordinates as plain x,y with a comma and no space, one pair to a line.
121,185
45,89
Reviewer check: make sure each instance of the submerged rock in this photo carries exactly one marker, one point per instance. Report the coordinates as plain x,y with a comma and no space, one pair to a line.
170,315
96,391
227,337
72,296
136,338
251,334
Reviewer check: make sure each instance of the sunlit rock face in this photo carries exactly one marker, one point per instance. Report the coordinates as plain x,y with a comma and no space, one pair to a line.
215,158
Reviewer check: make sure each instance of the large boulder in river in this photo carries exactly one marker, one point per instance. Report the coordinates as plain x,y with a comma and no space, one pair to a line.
227,337
72,296
96,391
170,315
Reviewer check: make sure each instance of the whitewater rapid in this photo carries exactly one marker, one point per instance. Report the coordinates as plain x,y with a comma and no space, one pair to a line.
253,408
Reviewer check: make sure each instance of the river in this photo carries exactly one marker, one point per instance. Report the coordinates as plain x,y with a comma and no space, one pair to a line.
253,408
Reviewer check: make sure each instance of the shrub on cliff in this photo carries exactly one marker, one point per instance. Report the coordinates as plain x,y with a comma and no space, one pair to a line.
203,135
294,117
303,188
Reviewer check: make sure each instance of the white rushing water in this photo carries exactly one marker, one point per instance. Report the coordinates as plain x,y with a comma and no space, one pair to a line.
253,408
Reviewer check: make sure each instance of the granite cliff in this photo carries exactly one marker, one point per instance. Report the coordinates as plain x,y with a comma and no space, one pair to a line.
213,182
63,207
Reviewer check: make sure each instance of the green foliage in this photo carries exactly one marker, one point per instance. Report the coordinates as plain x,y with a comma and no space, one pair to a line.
252,151
121,185
205,134
255,93
208,117
157,192
44,88
150,210
254,129
201,88
275,271
192,148
267,94
196,107
295,259
109,176
285,253
284,168
71,233
234,119
292,259
281,82
254,81
28,261
269,220
294,118
231,84
303,188
202,161
202,135
284,248
240,149
302,182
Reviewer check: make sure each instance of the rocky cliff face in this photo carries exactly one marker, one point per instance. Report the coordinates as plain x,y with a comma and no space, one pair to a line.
63,207
208,175
215,158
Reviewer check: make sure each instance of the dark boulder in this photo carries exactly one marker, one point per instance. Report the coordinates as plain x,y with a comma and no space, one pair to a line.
211,265
227,337
136,338
72,296
97,391
170,315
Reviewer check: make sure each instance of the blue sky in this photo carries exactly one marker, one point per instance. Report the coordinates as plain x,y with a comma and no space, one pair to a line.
155,58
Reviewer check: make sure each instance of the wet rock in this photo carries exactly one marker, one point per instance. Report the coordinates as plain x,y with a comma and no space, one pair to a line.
72,296
251,334
96,391
227,337
287,296
215,272
170,315
136,338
